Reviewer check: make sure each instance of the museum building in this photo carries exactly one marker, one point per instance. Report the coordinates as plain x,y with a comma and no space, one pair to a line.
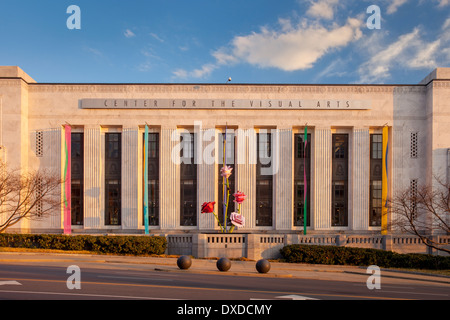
143,158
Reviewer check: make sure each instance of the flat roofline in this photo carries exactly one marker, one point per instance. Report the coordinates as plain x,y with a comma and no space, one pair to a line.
223,84
15,72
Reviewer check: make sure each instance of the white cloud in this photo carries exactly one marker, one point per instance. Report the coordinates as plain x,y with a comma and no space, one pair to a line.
224,58
128,33
180,73
296,49
144,67
425,56
94,51
202,72
377,68
446,24
337,68
290,48
439,3
395,4
409,51
322,9
155,36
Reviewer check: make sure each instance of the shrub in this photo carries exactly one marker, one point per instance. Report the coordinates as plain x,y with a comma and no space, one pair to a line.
131,245
313,254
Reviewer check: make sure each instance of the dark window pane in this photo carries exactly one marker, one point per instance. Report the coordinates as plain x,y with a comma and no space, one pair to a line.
77,168
302,160
188,181
153,179
77,203
376,156
264,183
340,180
113,202
113,173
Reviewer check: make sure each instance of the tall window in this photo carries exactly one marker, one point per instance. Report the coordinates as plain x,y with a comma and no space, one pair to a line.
302,157
264,180
376,158
230,161
77,147
113,176
188,181
153,179
340,180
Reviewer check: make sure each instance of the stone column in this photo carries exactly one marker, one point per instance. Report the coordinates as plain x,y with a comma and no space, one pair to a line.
246,173
207,184
130,169
361,179
169,188
321,216
283,180
92,178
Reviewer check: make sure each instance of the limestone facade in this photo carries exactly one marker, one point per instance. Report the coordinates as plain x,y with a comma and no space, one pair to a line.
33,116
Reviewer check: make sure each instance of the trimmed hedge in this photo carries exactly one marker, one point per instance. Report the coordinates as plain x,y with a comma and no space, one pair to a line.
333,255
129,245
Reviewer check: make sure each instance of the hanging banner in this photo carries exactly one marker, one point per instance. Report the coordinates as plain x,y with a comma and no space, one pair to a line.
67,180
305,186
146,180
384,190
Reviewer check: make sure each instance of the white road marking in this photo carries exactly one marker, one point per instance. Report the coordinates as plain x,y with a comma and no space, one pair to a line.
295,297
6,283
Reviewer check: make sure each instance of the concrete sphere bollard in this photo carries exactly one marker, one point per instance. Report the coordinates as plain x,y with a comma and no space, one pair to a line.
223,264
263,266
184,262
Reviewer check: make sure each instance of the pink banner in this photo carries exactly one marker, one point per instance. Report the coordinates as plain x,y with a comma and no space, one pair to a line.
67,181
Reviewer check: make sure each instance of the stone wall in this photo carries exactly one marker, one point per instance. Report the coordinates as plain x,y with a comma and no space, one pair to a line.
267,246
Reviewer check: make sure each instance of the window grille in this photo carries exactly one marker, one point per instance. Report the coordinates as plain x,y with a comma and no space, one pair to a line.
39,143
413,195
414,144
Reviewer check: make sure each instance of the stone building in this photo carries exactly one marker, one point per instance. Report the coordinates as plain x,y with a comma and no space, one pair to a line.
364,143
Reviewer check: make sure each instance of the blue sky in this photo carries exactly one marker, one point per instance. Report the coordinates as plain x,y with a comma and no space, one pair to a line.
208,41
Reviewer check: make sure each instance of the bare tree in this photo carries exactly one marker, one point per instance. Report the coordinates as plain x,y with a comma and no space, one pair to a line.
424,211
32,195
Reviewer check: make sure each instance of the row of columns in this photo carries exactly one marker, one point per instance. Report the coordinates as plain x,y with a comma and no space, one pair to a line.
321,175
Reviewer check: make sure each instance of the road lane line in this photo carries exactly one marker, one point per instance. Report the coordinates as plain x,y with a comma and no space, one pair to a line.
134,278
86,295
227,290
420,293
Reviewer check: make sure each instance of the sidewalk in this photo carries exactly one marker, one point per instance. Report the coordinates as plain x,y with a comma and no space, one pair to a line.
208,266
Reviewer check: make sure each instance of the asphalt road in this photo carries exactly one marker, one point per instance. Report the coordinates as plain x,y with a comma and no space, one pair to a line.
163,285
46,279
